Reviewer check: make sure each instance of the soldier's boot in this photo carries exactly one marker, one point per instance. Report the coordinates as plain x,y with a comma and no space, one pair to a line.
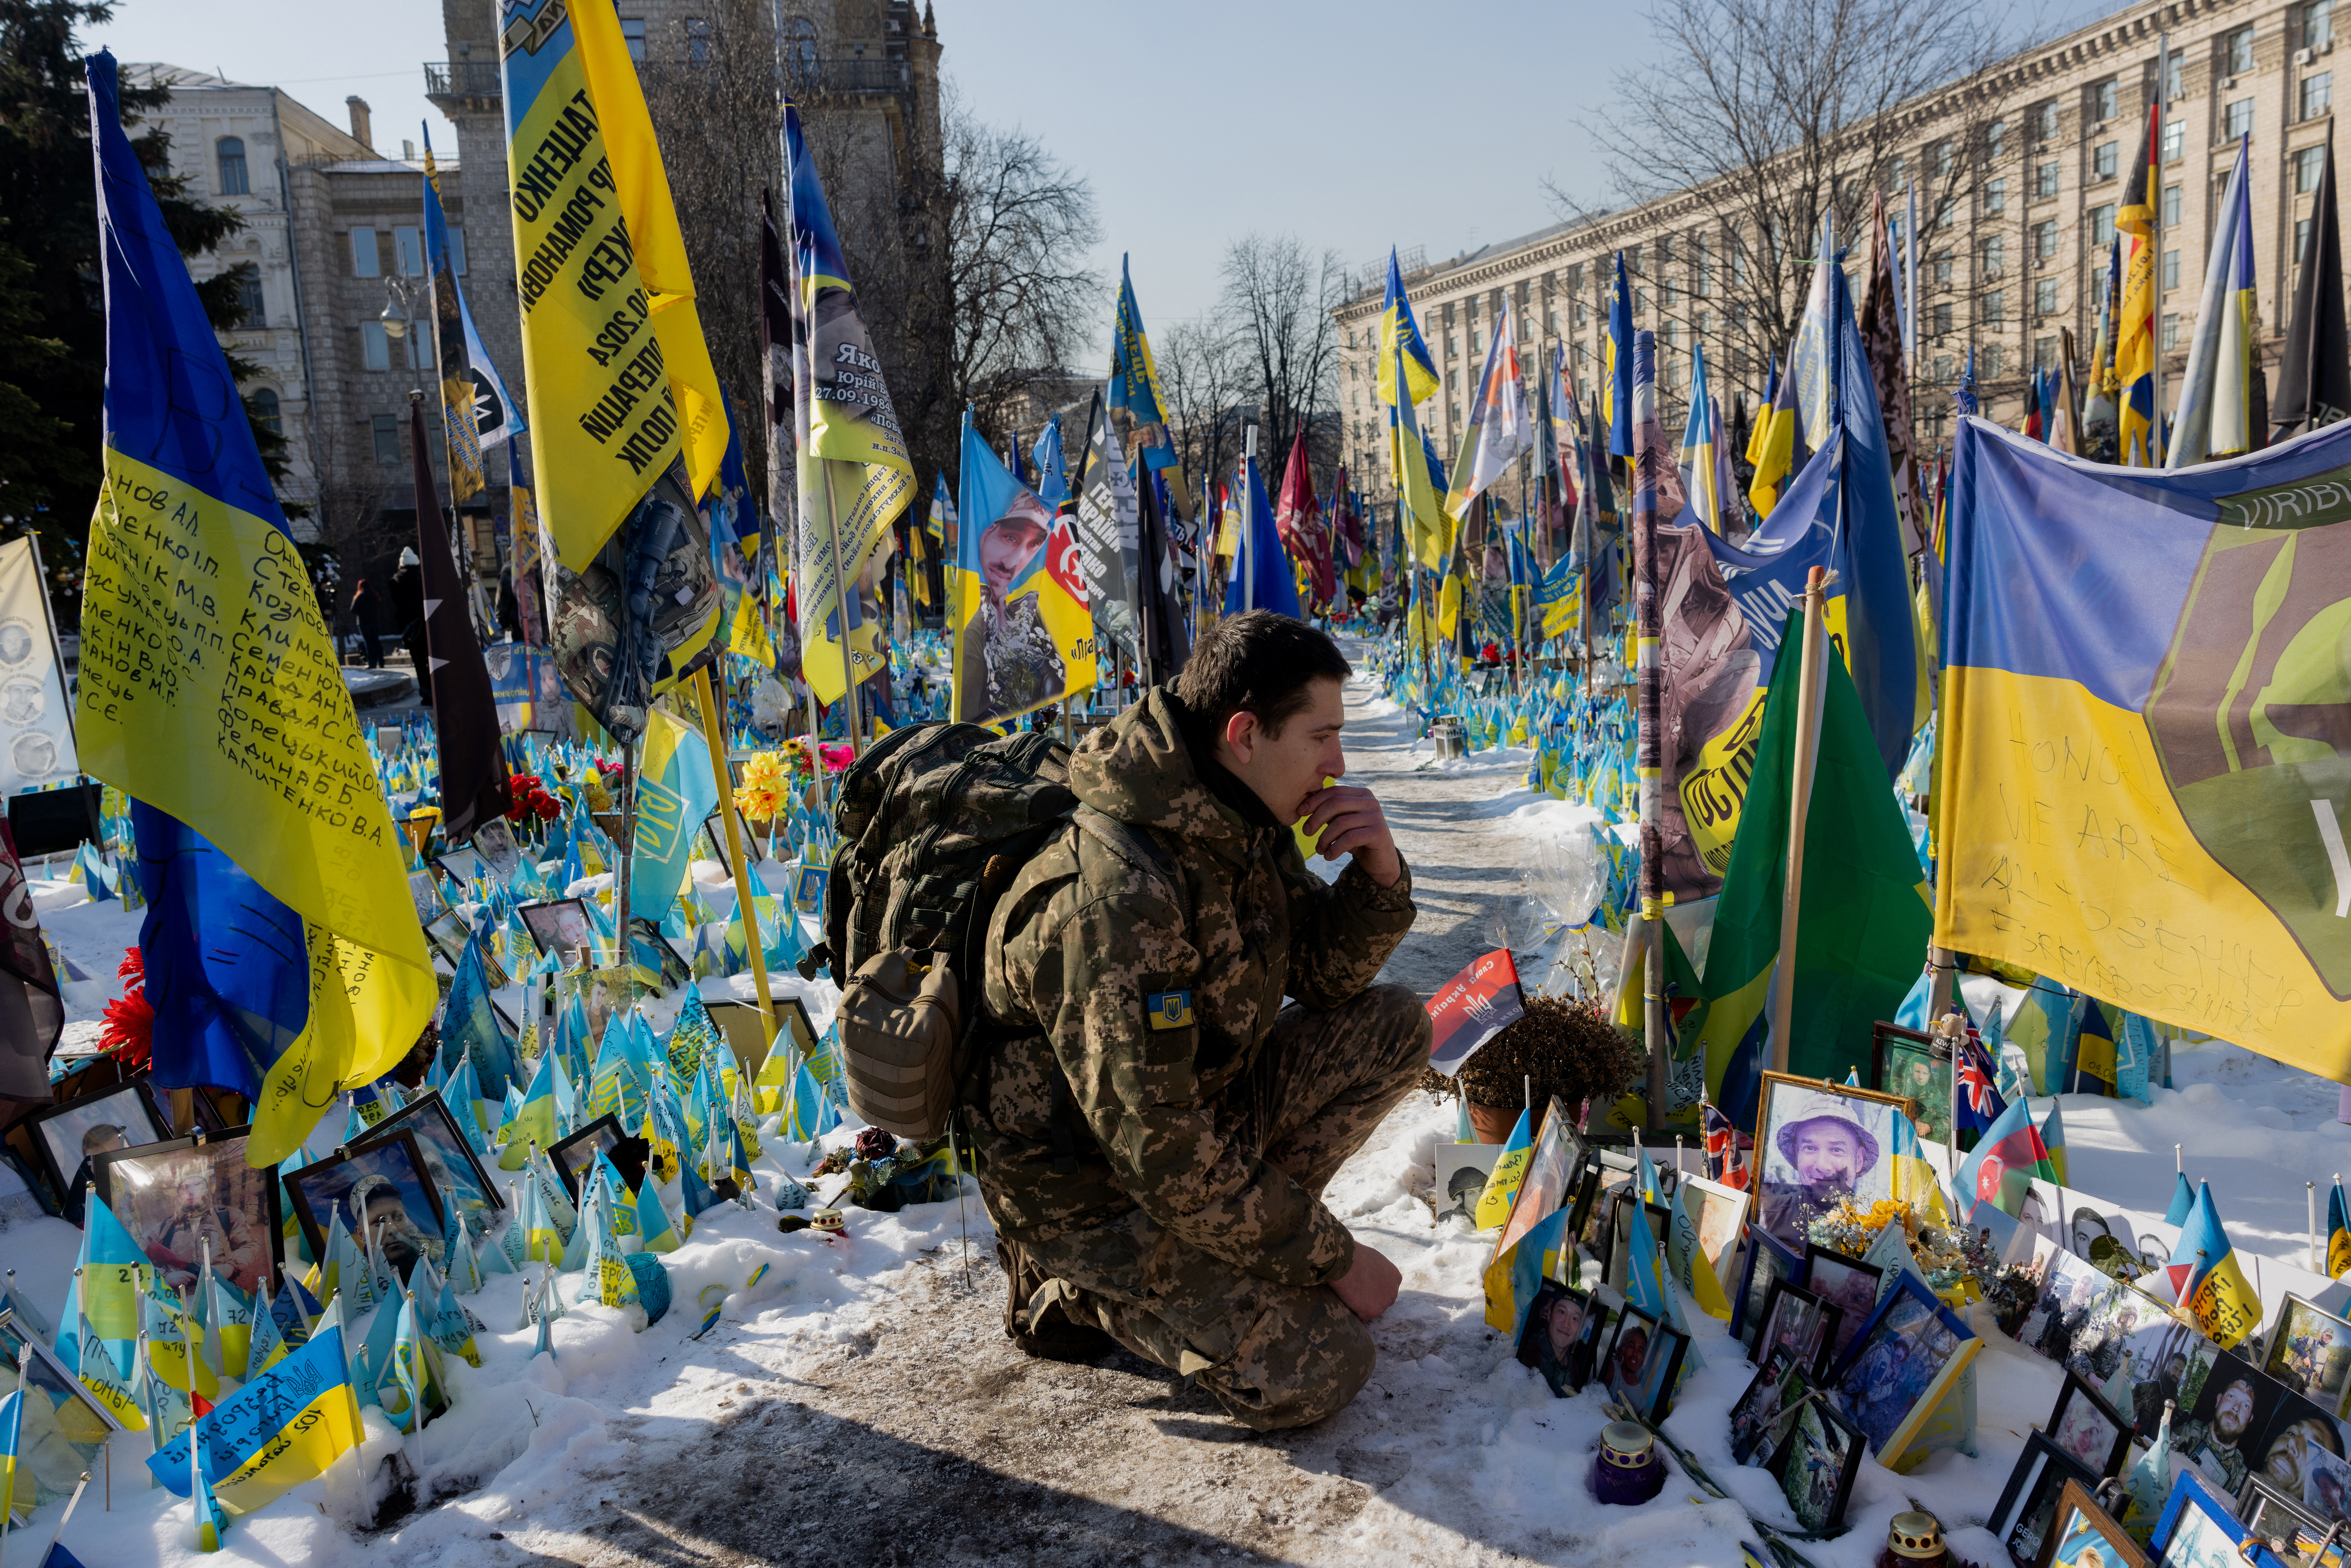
1043,1328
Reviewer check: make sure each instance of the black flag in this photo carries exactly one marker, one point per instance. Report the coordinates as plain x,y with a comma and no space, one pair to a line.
473,790
2315,385
1158,597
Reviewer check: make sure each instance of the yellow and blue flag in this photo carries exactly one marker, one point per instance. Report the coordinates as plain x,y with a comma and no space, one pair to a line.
2204,1276
677,791
2140,430
1024,636
1702,444
2338,1232
2185,742
203,637
656,1231
1692,1269
285,1427
1616,372
1516,1271
1134,384
1914,1182
1649,1287
615,363
1508,1173
16,1484
107,1280
2216,416
1418,481
1402,356
534,1123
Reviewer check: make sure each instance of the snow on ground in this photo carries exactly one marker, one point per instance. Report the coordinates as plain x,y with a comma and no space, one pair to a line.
860,1404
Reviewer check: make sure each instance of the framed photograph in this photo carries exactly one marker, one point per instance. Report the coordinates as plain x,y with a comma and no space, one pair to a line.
1556,1163
655,957
463,866
389,738
494,840
2326,1486
177,1197
1801,1322
1462,1170
1594,1230
2274,1514
1848,1284
1643,1362
2198,1528
1581,1209
714,826
1815,1142
1720,1214
1818,1457
448,935
458,1175
1766,1260
559,926
66,1429
2222,1432
601,993
2091,1431
1621,1203
424,889
1913,1062
1900,1363
1758,1420
2027,1512
1563,1337
2083,1535
2310,1352
69,1135
385,1188
575,1154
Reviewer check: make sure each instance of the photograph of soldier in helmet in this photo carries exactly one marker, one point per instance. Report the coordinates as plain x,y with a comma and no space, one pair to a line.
1818,1147
1007,662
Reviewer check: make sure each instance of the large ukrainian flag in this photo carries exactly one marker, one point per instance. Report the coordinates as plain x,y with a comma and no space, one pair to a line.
210,689
1400,334
2146,757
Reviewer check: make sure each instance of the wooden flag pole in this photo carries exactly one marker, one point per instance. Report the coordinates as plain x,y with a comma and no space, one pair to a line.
1808,740
737,860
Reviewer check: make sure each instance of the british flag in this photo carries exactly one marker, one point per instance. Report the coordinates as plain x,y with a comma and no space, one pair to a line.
1721,1146
1979,1103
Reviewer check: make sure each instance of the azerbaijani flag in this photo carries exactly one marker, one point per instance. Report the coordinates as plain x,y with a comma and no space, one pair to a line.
2205,1277
2004,1163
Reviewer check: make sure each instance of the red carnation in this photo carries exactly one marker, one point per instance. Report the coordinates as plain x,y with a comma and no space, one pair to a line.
129,1031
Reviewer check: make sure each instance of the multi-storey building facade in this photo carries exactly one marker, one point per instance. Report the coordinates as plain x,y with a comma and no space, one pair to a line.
2021,170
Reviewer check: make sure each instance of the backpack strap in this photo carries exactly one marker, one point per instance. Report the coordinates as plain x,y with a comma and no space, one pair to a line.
1138,848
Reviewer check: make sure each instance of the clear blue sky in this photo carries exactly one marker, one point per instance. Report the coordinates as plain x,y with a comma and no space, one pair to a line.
1354,124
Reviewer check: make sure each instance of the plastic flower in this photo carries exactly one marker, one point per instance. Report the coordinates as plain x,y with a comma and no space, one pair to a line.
764,787
129,1029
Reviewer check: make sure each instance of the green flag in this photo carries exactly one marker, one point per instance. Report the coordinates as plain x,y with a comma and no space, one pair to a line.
1865,917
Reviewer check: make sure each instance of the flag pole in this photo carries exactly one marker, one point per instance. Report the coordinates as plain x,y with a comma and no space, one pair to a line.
1808,739
737,859
842,587
1649,762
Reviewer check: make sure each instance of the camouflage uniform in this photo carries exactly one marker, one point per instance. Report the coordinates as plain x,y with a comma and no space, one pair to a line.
1156,1154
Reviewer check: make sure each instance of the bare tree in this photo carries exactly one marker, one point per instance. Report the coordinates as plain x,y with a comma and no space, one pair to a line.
1770,113
1202,373
1278,297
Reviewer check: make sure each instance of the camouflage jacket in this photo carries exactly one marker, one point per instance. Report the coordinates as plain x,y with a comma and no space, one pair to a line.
1151,1001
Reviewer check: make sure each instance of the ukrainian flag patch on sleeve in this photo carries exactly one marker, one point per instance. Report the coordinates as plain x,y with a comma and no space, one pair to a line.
1168,1010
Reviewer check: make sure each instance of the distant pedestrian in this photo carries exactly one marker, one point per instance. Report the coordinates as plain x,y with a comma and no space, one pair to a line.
367,614
408,610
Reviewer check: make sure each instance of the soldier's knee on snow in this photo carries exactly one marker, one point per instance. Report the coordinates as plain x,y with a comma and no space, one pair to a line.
1296,1366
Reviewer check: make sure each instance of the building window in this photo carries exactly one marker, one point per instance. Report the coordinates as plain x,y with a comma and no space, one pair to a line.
417,347
2044,352
697,40
2044,179
1701,268
2318,23
386,430
457,252
2104,157
2101,224
1991,362
1995,251
364,260
2307,163
2045,240
2047,128
1995,197
2104,97
408,247
2044,297
375,348
633,33
2240,46
1582,315
263,405
1938,320
1994,311
2171,206
1996,138
2174,138
1939,267
1943,155
2172,269
1640,302
2171,331
1453,382
2317,94
252,309
1580,359
231,152
2239,120
2301,239
1942,367
1452,344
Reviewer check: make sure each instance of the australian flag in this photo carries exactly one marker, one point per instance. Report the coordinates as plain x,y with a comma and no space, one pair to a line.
1980,1104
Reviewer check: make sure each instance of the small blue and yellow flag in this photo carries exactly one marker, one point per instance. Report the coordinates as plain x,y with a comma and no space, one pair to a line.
281,1430
15,1477
1509,1171
2338,1232
2204,1276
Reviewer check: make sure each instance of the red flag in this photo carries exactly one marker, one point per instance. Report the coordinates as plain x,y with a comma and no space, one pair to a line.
1475,1006
1295,515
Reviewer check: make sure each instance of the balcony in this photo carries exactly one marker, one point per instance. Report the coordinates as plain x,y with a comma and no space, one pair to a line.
470,82
823,79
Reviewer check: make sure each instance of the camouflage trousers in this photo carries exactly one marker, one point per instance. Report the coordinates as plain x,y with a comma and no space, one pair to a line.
1273,1355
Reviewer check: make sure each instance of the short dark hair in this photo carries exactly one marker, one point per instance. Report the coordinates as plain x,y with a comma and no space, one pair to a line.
1257,663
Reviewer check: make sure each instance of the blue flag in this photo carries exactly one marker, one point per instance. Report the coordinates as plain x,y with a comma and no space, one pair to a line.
1263,579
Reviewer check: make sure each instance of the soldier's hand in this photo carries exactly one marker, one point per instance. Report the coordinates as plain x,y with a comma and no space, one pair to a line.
1370,1286
1351,821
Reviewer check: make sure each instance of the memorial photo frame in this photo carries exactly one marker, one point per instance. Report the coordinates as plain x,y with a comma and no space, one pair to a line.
69,1134
574,1155
463,865
1643,1362
2198,1528
2309,1353
1802,1322
1564,1331
1819,1455
2272,1513
2088,1427
1462,1172
174,1197
1913,1062
559,925
1849,1284
66,1411
1758,1419
1765,1259
2027,1511
385,1185
424,891
1816,1142
2083,1535
1899,1366
463,1182
1719,1213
